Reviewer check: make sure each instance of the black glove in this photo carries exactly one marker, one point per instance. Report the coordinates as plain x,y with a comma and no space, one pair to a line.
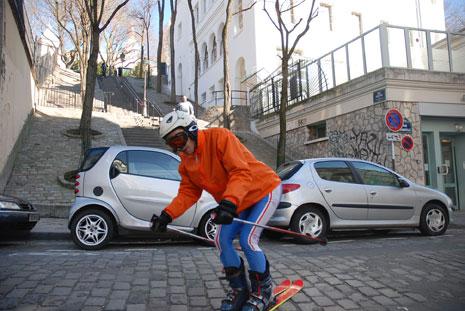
159,223
224,213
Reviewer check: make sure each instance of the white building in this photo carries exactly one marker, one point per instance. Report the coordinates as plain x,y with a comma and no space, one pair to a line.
255,44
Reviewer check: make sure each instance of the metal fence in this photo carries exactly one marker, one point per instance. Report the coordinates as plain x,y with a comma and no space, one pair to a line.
238,98
382,46
59,98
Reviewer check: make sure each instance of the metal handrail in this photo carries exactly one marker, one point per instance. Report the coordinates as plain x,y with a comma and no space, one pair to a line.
264,96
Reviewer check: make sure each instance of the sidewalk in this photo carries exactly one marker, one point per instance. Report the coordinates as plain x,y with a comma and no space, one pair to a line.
60,225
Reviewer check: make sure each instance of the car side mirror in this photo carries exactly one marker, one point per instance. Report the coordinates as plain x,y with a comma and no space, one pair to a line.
403,183
114,172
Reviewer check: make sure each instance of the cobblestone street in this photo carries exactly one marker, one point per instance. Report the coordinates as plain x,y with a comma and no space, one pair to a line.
358,271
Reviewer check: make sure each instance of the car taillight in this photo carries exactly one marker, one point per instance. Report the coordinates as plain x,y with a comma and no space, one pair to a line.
290,187
77,176
76,190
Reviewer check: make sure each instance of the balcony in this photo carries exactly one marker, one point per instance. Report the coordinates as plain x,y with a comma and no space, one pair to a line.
382,46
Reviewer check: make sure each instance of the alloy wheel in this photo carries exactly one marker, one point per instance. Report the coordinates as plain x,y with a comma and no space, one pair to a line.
91,230
311,223
435,220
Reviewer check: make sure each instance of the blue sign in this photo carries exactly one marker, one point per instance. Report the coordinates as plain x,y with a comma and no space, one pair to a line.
407,127
379,96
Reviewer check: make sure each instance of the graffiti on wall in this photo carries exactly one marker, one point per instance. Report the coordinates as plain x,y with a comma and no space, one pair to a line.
359,144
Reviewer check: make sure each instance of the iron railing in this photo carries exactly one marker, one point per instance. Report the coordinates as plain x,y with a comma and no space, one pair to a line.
137,104
382,46
238,98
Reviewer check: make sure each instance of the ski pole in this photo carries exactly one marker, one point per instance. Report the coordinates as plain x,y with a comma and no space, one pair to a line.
195,236
322,241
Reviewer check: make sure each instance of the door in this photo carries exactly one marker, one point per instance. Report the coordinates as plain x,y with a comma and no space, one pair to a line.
447,169
337,183
387,200
148,182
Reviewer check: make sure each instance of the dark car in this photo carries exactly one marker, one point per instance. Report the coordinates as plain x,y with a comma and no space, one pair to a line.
17,214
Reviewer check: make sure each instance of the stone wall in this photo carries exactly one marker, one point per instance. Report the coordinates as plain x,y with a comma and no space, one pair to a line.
361,134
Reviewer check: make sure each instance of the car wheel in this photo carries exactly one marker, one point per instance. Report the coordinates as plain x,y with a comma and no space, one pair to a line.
311,221
433,220
207,228
92,229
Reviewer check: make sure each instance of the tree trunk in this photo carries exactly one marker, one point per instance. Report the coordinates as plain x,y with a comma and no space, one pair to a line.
88,102
148,57
281,153
161,9
174,11
226,82
197,59
141,65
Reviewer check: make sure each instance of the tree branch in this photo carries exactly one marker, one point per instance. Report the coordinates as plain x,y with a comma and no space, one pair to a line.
113,14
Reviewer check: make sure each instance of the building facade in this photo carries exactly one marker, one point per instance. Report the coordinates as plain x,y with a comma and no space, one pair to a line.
254,43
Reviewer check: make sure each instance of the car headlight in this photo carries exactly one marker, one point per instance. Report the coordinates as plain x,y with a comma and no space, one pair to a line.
9,205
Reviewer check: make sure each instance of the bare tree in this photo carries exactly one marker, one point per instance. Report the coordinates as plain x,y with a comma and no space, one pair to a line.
115,40
161,17
455,16
196,57
94,10
226,80
290,34
143,12
174,12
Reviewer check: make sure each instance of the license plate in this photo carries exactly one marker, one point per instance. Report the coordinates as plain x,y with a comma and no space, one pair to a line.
34,217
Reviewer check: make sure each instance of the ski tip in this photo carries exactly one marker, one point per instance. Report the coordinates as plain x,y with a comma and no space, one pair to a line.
299,283
286,282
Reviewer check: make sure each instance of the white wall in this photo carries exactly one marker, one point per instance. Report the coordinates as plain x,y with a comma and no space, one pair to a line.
17,92
259,42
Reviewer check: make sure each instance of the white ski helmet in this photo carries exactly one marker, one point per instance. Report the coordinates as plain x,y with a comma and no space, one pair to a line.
176,119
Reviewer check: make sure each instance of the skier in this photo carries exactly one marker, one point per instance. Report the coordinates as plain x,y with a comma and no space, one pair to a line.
216,161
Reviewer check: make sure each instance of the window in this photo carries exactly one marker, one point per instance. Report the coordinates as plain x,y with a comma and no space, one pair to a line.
179,31
335,171
196,14
240,16
121,162
357,26
212,92
91,157
153,164
326,14
317,130
214,50
203,99
205,59
375,175
288,169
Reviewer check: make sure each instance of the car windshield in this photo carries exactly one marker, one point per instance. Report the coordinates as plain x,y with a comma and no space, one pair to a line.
91,157
287,170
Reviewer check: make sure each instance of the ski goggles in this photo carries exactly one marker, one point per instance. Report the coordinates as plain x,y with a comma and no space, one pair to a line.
178,141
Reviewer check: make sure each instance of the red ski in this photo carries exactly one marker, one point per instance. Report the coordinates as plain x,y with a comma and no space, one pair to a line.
293,289
281,287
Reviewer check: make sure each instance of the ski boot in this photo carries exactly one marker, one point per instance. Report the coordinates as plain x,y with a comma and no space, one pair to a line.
262,290
239,292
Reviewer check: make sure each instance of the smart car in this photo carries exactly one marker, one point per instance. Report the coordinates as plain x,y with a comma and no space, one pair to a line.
121,187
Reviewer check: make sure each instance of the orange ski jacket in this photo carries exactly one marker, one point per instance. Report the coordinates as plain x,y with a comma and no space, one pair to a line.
226,169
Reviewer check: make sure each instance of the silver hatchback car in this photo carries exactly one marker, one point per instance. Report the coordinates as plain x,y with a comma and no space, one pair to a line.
121,187
338,193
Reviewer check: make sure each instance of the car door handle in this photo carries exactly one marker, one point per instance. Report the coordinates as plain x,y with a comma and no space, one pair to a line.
328,190
373,192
